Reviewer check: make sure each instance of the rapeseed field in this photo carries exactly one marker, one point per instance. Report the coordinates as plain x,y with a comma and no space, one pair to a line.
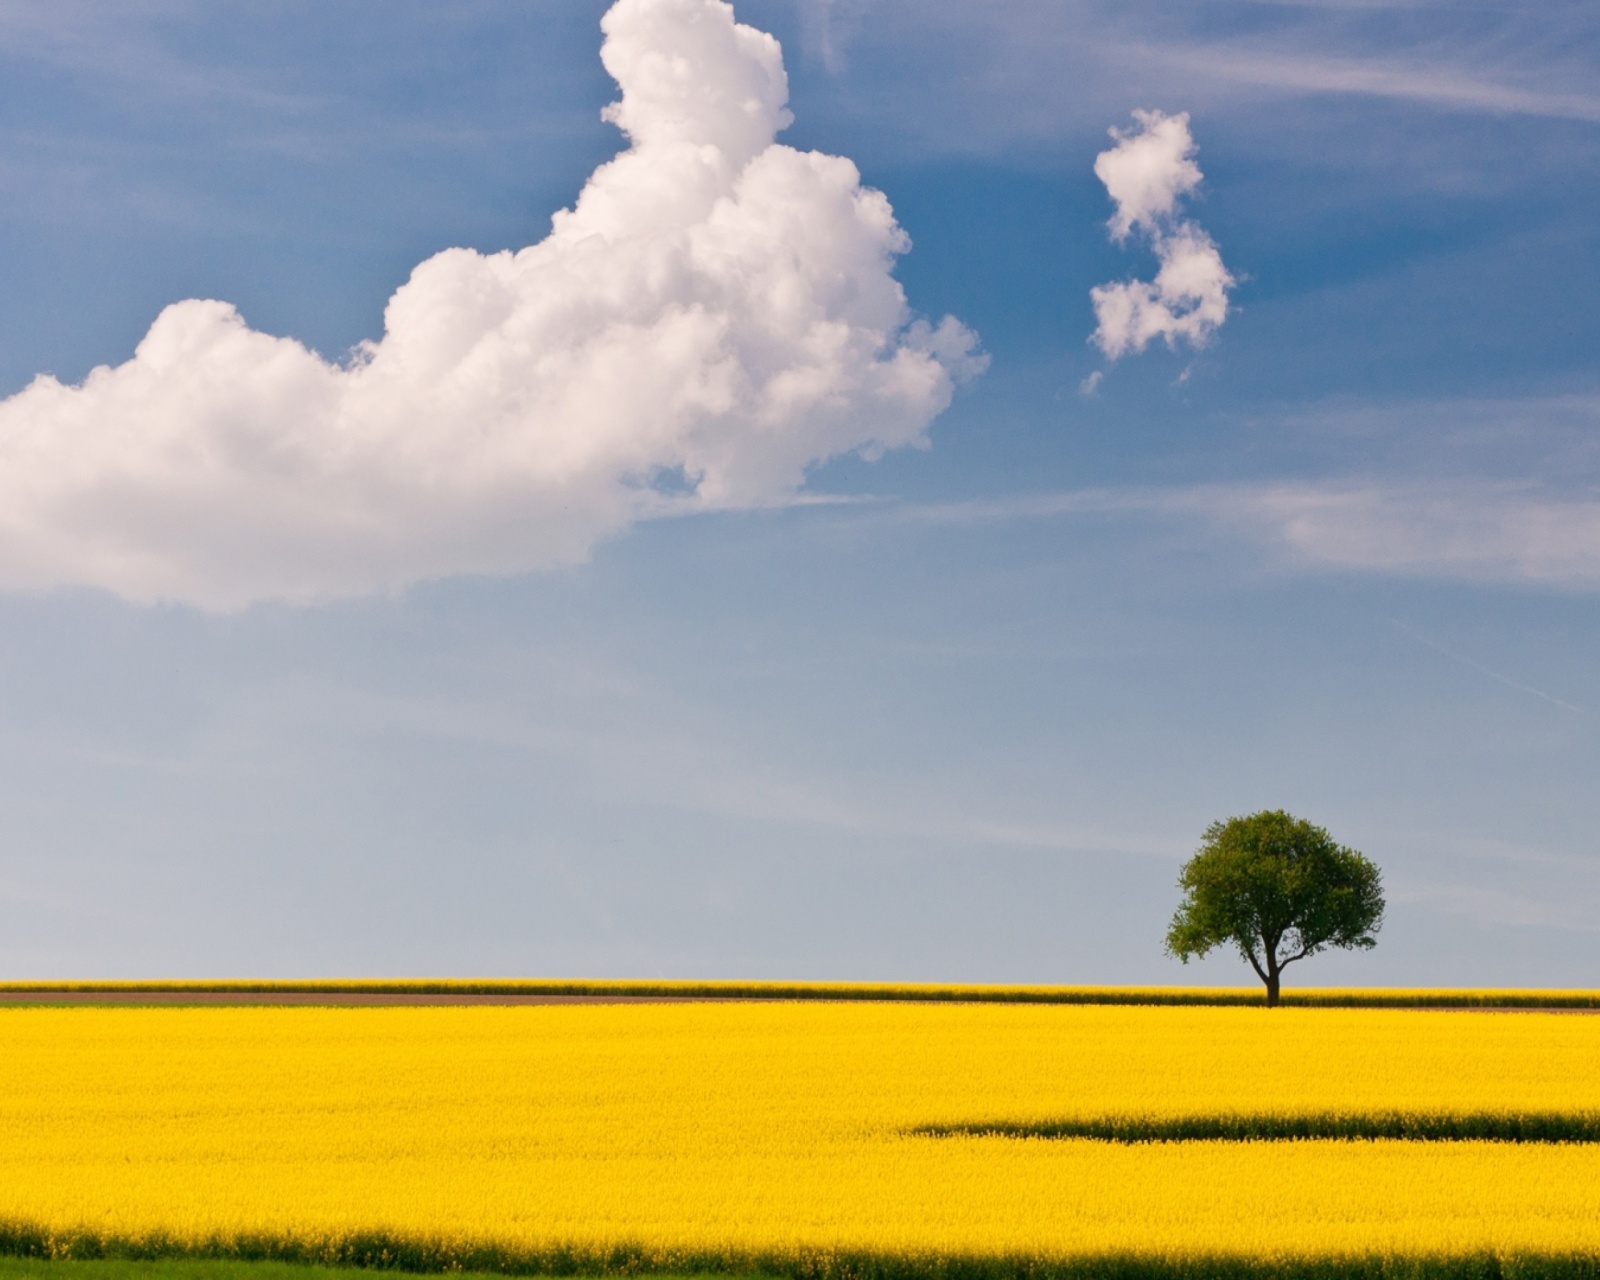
804,1138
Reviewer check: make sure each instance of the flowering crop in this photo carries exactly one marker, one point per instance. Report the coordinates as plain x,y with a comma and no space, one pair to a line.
794,1136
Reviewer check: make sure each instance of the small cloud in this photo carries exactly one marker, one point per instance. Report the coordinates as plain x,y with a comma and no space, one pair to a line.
1091,385
1147,174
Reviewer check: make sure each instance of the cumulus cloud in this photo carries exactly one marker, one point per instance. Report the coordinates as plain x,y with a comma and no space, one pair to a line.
715,315
1147,174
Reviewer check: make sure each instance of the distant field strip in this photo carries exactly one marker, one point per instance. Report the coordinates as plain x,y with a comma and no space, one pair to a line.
1394,1126
421,989
796,1139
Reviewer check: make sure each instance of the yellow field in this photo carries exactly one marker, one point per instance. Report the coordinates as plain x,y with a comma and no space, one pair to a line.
725,1133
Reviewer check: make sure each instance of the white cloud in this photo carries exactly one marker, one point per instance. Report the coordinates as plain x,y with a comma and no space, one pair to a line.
1147,174
715,315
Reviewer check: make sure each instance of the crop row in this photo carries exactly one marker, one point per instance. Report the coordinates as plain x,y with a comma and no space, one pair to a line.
1405,1126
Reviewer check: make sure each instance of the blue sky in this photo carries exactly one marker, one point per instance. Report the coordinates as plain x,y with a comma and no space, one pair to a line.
956,712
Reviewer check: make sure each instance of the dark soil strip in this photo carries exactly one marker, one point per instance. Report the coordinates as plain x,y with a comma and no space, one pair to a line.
1393,1125
582,992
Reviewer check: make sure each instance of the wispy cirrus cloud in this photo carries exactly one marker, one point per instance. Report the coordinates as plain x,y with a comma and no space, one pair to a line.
1482,531
1037,70
1466,530
1453,88
120,47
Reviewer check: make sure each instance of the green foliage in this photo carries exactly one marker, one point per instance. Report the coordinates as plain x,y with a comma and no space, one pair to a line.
1403,1126
1277,888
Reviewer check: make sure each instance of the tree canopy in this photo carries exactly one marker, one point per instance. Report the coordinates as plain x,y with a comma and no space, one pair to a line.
1279,889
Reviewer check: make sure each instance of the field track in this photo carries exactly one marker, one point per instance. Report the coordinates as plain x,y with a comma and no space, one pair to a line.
369,999
576,992
326,998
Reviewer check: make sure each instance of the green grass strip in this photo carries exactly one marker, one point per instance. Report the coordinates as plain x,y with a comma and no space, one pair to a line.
211,1268
1309,997
35,1256
31,1268
1403,1126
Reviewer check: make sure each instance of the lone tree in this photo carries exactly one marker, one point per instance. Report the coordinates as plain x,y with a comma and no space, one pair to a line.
1279,889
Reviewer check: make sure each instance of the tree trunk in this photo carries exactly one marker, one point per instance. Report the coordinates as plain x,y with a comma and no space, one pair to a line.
1269,975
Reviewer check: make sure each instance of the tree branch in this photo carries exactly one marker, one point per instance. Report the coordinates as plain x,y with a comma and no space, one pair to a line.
1298,955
